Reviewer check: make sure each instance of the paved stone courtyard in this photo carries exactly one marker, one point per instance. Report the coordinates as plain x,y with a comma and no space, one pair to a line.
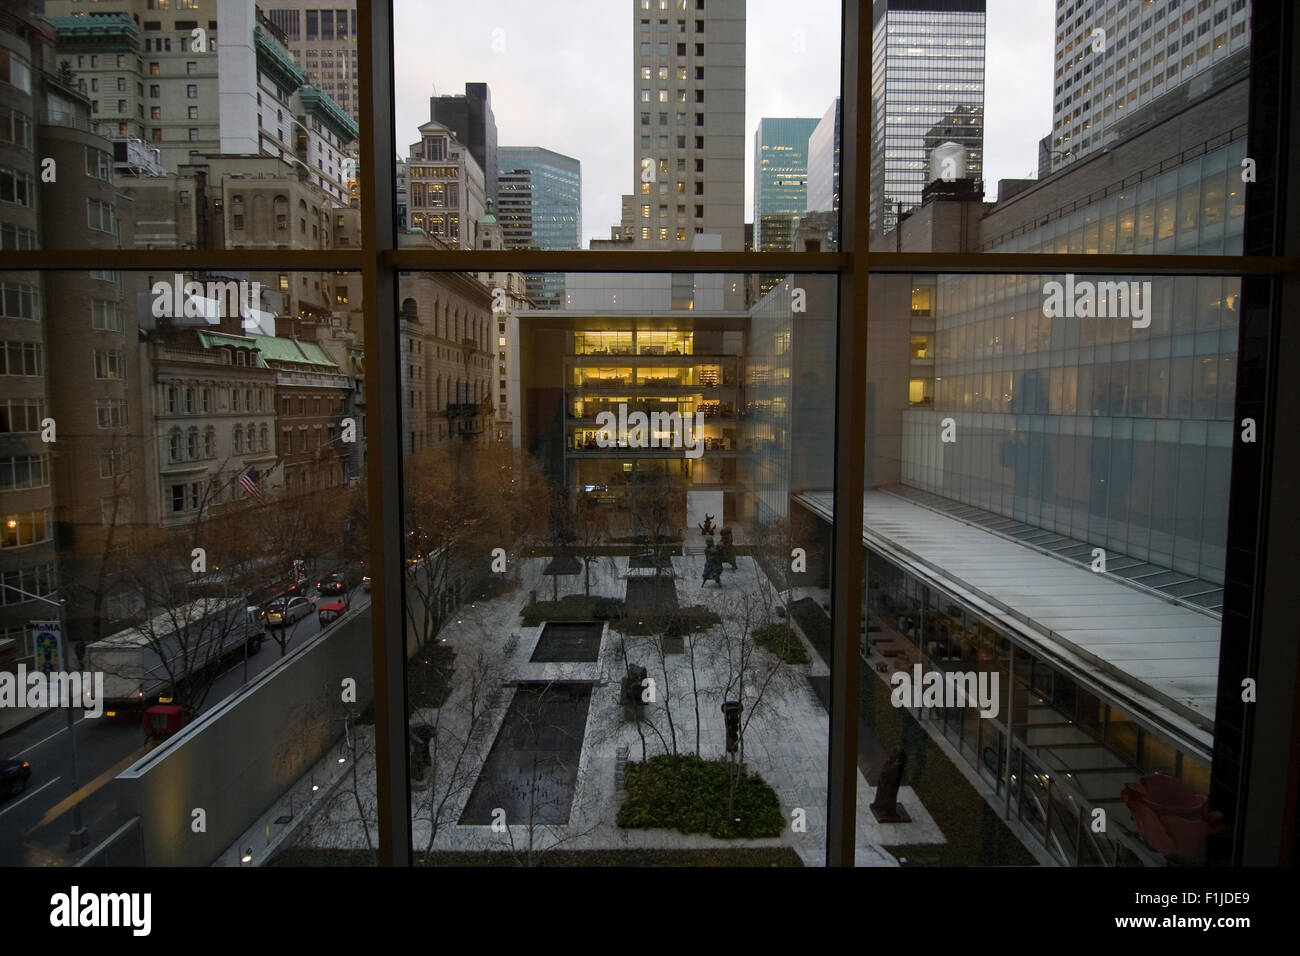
785,739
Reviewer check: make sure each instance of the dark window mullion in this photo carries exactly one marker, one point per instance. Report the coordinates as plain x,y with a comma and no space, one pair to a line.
384,449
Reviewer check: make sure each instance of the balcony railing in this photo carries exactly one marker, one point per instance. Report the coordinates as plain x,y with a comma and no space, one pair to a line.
468,409
67,119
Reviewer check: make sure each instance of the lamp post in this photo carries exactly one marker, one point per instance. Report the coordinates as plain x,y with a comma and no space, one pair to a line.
78,837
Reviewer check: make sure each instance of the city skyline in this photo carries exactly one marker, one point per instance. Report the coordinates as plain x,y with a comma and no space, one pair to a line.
570,96
226,405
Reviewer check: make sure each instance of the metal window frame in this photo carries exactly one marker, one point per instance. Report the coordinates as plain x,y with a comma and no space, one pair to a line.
1260,801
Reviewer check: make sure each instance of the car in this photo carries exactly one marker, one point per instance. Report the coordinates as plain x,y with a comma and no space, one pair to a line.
287,610
336,582
331,583
14,775
365,582
331,612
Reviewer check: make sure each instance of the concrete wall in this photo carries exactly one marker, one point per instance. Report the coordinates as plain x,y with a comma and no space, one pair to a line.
239,760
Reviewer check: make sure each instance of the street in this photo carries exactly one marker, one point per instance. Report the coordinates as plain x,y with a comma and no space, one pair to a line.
34,826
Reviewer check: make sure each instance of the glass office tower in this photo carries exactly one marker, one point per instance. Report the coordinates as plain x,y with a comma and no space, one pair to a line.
780,180
540,208
927,61
824,166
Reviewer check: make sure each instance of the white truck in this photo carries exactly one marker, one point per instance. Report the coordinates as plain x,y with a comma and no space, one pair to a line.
143,663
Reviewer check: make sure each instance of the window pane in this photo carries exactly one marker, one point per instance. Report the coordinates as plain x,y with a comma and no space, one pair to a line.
645,444
141,482
754,125
955,138
164,136
1093,516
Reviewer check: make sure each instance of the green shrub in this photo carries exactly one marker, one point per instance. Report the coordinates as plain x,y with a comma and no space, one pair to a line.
688,794
782,641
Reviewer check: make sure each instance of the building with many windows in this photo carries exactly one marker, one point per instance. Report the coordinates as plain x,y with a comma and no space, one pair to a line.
90,395
780,180
1115,58
688,115
446,195
150,73
539,206
1088,453
630,344
323,41
213,404
510,295
446,327
161,76
927,60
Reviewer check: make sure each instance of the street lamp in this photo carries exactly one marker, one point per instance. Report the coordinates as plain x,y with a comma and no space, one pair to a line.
78,837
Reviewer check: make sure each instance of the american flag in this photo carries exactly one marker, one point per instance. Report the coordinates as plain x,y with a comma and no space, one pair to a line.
250,481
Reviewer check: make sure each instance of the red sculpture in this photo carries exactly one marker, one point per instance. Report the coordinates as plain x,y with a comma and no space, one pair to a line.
1171,817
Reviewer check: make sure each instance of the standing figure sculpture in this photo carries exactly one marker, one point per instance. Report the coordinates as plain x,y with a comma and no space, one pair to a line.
728,549
712,565
707,528
886,808
418,751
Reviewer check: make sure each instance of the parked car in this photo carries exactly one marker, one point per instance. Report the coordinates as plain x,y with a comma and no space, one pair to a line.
287,610
365,582
14,775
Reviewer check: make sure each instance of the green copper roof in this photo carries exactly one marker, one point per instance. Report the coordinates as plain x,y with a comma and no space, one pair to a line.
316,354
276,349
216,339
276,62
97,30
321,105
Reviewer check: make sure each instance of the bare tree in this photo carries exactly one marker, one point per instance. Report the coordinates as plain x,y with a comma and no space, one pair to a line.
590,532
456,737
752,675
190,583
656,506
458,510
352,806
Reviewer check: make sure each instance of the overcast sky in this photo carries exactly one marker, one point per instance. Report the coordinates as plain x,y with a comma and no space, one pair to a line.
560,78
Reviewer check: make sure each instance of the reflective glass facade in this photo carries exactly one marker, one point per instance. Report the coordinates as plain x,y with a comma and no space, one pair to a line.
824,165
927,89
780,180
540,208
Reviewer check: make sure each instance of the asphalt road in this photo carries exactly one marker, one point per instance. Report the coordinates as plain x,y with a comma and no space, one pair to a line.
35,825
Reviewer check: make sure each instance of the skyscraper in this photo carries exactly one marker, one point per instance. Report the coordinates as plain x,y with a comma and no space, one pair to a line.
688,119
927,62
1114,58
540,207
780,180
469,117
324,43
824,163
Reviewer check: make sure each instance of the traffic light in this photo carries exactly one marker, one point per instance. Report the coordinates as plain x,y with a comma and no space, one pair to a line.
731,712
